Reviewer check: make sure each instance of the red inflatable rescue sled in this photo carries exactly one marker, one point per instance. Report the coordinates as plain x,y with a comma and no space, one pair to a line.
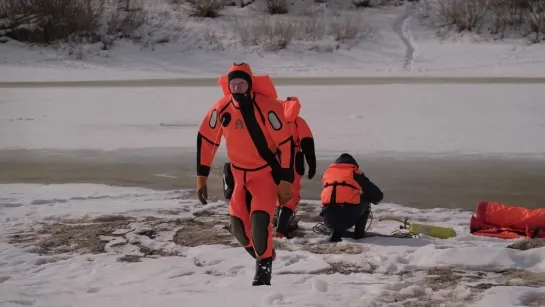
507,222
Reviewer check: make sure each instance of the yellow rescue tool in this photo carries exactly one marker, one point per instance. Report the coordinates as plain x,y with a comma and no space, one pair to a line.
419,228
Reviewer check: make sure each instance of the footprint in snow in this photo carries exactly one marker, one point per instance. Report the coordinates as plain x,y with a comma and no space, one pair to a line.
93,290
234,271
4,278
318,285
292,259
272,298
179,275
22,302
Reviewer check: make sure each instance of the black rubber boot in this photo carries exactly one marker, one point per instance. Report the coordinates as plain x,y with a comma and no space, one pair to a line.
336,236
359,228
263,271
283,224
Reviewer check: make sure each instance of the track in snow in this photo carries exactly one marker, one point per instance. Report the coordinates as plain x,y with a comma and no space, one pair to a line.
401,27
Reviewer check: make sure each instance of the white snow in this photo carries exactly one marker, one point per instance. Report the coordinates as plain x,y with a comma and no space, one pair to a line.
396,41
215,274
400,119
511,296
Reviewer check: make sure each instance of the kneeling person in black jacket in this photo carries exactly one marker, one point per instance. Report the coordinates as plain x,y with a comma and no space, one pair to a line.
346,197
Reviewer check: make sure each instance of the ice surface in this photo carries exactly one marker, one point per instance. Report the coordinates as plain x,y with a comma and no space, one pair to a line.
419,119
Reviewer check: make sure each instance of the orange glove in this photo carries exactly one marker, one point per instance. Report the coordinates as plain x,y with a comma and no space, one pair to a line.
202,189
284,192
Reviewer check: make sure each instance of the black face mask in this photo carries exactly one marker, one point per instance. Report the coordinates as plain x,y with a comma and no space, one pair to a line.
242,98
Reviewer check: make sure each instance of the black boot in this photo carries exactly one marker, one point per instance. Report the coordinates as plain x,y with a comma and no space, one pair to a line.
263,271
283,222
336,236
359,228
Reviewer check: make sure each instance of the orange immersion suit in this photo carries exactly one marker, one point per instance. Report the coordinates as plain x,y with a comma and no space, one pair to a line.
304,142
261,150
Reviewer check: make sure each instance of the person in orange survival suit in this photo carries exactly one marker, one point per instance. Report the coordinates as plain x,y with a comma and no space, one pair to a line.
249,114
304,149
346,197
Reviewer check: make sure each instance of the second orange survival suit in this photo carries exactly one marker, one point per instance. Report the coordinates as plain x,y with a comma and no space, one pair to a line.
304,150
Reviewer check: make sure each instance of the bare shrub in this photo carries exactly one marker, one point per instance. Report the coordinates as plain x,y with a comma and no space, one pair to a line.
277,33
122,21
313,29
525,17
376,3
361,3
244,3
212,38
205,8
46,21
465,15
506,15
270,33
536,17
128,5
348,27
277,7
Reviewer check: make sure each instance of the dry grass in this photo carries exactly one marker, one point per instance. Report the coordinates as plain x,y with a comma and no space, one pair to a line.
498,17
528,244
447,281
275,33
45,21
48,21
92,235
195,233
271,34
122,20
82,236
205,8
465,15
345,268
276,7
322,248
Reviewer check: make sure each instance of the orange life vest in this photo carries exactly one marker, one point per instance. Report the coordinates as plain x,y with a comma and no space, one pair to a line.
339,185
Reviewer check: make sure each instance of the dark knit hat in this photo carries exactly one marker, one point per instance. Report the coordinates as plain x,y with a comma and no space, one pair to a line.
347,158
242,75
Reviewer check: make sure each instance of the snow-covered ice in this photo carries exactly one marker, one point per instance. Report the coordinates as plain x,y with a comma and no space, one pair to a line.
370,272
380,119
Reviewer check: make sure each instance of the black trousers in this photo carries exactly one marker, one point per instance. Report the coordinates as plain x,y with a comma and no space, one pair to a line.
341,218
